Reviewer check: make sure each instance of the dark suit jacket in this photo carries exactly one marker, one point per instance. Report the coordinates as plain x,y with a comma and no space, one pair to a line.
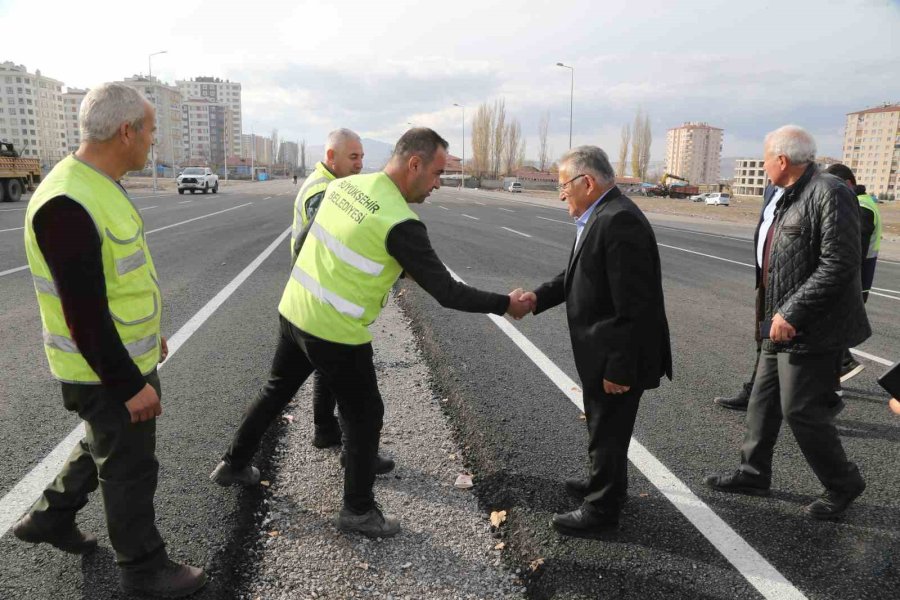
612,288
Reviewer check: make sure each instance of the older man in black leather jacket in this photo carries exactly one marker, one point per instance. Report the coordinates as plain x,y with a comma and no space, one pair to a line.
809,309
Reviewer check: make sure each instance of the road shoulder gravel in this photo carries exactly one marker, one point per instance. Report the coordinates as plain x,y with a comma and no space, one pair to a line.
446,548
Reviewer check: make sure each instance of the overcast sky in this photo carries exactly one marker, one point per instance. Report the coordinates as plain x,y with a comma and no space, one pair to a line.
309,67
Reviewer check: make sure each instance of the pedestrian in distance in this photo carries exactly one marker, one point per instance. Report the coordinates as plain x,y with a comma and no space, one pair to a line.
809,309
363,237
100,305
612,288
870,243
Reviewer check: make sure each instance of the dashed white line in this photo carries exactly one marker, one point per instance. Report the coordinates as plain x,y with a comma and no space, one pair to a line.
443,207
198,218
872,357
479,203
267,198
147,208
569,223
884,290
883,295
516,232
10,209
11,271
748,562
185,201
29,488
506,209
13,229
715,235
470,217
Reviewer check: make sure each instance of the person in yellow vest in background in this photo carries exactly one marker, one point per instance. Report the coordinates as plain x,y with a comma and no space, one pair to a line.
870,242
100,306
343,157
363,237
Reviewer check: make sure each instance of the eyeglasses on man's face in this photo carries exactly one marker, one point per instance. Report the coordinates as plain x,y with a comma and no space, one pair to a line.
562,186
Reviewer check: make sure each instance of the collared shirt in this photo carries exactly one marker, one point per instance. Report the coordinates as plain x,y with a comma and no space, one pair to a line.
768,219
581,221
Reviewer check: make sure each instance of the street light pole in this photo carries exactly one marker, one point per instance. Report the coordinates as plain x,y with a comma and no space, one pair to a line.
463,165
571,98
153,145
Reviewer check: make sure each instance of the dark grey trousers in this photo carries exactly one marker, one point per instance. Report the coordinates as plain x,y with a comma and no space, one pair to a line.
799,389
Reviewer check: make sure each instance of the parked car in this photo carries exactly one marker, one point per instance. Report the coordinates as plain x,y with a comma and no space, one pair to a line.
699,197
197,178
718,199
515,186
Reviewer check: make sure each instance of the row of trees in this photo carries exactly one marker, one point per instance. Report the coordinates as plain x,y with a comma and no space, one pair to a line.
498,147
640,138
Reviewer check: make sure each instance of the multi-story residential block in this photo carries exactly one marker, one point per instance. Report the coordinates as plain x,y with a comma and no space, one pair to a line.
31,113
259,148
217,91
167,100
71,106
750,177
205,132
872,149
693,151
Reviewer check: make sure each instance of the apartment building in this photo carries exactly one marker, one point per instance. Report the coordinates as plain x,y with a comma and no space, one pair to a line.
205,132
166,99
693,151
750,177
223,92
872,149
259,148
71,107
31,113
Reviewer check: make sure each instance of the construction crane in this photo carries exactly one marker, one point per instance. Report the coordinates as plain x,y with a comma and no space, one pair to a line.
676,191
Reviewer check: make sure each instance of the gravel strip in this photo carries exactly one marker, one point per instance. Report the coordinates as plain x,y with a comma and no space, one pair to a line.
446,548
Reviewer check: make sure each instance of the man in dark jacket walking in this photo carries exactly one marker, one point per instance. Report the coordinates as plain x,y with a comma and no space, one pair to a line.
809,309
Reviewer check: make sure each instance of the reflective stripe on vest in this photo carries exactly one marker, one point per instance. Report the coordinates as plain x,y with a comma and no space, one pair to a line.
317,181
132,288
866,201
344,272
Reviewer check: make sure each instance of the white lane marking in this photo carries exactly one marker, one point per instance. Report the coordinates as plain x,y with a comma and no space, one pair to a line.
570,223
13,229
749,563
883,295
871,357
20,498
10,209
185,202
148,208
506,209
516,232
470,217
716,235
428,202
479,203
198,218
443,207
884,290
22,268
267,198
11,271
880,260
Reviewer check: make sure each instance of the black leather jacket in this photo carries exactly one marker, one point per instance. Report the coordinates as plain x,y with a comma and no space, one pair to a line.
813,279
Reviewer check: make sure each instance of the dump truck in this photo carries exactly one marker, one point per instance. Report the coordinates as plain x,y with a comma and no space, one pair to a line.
17,173
675,190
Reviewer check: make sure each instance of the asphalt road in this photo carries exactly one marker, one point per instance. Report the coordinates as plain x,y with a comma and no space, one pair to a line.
523,435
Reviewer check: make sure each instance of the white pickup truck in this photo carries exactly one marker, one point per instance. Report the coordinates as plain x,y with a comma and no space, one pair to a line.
198,178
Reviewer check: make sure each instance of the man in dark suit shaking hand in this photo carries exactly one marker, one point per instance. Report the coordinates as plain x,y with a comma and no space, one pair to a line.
612,288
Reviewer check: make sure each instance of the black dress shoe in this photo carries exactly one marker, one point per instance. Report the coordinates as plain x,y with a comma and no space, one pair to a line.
586,522
383,464
578,488
737,402
326,439
831,505
71,539
738,482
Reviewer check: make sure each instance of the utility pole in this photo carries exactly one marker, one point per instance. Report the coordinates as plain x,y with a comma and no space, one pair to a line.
462,166
571,98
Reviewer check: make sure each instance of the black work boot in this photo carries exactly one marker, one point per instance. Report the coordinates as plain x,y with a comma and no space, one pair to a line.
737,402
383,464
69,539
371,524
738,482
225,475
326,438
172,580
585,522
831,504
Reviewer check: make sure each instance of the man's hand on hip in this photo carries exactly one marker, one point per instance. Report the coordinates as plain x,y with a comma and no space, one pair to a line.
144,405
614,388
781,331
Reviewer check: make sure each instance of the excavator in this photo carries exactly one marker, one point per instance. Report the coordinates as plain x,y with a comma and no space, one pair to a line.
676,191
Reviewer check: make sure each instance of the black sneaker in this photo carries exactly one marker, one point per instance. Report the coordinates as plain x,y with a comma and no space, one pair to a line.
383,464
738,482
371,524
225,475
70,539
172,580
850,368
831,505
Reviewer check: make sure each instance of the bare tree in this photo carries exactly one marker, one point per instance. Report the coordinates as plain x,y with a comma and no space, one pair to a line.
498,135
646,141
481,140
543,148
513,147
623,149
636,140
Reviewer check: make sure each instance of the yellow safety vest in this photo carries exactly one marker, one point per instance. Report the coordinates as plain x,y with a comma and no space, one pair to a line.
317,181
342,277
866,201
132,287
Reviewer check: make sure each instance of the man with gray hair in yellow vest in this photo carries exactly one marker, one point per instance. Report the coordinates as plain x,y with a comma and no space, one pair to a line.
363,237
100,304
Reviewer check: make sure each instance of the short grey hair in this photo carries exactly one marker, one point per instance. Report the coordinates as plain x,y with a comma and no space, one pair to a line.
105,108
338,137
792,142
590,160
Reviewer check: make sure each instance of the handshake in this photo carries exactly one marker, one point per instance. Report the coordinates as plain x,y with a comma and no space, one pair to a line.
521,303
